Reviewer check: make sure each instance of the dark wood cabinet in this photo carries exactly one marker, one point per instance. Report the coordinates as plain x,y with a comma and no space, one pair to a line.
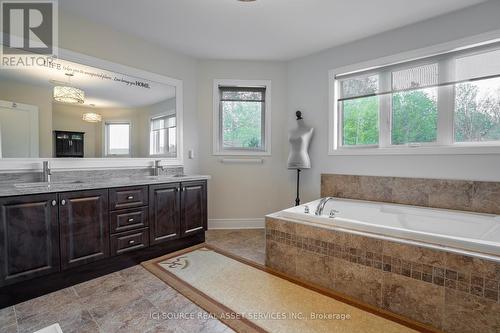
164,212
83,218
129,241
128,219
177,210
56,237
193,207
29,237
128,197
69,144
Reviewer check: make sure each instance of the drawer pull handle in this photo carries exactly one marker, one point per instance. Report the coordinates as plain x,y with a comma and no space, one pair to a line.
63,202
131,220
130,197
131,242
53,203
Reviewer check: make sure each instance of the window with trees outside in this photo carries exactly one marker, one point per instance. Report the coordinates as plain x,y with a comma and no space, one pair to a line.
241,119
448,100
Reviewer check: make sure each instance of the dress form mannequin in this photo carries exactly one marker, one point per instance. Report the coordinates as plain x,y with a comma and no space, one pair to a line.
298,159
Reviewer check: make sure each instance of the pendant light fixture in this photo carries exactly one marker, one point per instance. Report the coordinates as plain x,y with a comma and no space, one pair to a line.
69,94
92,117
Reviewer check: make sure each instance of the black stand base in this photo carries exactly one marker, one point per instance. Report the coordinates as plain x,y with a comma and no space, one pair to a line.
297,199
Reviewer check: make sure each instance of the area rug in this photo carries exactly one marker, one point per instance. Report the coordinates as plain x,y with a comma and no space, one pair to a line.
249,297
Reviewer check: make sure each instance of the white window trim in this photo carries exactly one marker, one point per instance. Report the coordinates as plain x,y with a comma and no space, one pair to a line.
105,137
164,114
216,145
441,147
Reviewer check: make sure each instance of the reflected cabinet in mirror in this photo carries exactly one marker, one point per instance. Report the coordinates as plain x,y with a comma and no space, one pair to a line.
67,109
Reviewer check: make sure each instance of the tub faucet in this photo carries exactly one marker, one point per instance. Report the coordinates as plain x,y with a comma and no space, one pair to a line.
321,206
46,173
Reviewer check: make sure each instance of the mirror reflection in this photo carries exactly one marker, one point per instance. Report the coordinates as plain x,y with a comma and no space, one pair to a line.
70,110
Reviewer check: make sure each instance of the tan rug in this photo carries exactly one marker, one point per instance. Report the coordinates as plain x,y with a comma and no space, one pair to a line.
249,297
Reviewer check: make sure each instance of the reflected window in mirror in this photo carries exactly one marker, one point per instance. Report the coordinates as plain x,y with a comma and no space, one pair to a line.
117,138
163,136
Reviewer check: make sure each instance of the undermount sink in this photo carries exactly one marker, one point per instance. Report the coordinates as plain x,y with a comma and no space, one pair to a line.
153,177
47,184
164,176
38,184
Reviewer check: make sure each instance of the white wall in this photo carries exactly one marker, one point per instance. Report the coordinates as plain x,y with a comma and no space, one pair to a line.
90,38
19,92
244,191
308,91
251,191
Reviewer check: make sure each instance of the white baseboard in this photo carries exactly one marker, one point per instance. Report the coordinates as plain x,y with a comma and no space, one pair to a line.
256,223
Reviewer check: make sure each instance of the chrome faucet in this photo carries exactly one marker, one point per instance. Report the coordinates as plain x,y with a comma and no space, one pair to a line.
46,173
157,168
321,205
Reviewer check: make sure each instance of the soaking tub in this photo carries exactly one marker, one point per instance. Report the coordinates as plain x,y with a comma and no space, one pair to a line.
439,227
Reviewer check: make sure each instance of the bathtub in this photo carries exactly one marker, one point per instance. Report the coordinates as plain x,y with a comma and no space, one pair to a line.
476,232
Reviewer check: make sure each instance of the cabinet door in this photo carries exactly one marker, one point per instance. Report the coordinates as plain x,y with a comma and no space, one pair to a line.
30,237
193,207
164,212
83,218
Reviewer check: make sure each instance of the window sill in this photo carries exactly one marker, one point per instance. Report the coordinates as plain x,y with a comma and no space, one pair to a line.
459,149
242,153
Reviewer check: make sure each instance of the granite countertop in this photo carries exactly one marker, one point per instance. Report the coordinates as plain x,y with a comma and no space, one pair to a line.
89,184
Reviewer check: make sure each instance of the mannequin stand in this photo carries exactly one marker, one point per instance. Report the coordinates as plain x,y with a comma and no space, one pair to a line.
297,199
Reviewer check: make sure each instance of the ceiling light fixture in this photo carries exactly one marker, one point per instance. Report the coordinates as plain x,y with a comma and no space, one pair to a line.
69,94
92,117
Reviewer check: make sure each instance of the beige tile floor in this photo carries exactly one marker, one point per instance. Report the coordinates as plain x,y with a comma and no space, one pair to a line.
129,300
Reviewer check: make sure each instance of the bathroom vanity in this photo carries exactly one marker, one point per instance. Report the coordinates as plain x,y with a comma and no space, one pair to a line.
64,231
78,197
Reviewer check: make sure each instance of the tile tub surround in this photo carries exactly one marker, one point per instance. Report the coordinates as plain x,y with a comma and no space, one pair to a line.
452,292
475,196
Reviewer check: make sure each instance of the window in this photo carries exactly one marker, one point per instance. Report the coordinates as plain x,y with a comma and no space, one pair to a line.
241,121
163,136
477,98
117,138
359,111
446,100
414,105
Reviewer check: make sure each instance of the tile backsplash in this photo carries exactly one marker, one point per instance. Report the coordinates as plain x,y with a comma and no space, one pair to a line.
475,196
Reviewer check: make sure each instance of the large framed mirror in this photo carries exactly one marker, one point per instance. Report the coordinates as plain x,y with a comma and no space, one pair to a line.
82,110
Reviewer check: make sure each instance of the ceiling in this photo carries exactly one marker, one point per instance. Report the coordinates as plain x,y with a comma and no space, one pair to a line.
103,88
260,30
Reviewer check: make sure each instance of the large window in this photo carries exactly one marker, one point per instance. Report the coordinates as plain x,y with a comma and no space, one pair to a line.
241,121
163,135
117,142
449,100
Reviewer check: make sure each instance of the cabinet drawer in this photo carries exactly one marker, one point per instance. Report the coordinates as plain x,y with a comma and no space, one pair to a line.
129,219
129,241
128,197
